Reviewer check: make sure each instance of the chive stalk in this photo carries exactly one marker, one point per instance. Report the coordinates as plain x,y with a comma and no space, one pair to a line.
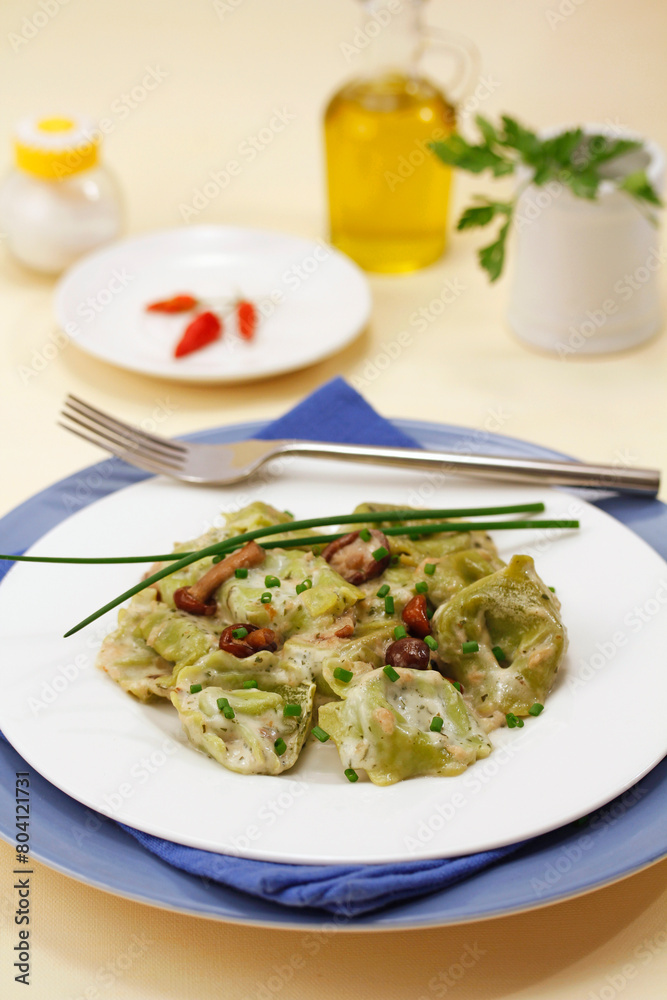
220,548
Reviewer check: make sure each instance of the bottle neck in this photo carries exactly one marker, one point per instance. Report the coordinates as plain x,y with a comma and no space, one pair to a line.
393,32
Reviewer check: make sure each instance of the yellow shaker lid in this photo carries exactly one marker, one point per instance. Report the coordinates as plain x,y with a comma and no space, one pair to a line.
53,148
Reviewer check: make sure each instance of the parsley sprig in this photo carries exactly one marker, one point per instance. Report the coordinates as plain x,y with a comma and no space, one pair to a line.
573,158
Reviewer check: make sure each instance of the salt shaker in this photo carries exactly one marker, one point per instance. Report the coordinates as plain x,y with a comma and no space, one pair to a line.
58,202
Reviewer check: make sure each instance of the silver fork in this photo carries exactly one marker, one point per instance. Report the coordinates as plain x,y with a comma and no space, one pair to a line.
225,464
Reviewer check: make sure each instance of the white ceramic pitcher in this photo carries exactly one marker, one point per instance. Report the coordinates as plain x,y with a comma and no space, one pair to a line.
586,272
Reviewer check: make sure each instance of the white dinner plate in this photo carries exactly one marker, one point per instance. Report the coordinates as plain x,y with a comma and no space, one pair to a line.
312,301
602,728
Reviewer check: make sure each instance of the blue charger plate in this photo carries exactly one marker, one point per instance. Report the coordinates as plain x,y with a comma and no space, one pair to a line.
73,839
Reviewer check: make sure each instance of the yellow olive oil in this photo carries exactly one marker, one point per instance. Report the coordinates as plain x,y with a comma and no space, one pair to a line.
388,193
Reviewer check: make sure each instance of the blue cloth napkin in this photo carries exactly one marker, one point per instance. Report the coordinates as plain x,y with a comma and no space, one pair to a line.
337,413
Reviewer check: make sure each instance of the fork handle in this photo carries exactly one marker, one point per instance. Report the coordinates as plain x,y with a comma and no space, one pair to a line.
645,482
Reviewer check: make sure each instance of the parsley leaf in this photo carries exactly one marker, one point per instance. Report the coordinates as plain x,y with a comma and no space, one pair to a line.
638,186
481,215
455,151
492,257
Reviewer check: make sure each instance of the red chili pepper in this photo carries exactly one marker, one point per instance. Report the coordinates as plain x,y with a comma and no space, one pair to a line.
247,318
177,304
203,330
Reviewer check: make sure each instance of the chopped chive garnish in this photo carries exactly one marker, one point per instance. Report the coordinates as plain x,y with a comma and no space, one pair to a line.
513,721
304,585
470,647
271,581
429,612
292,710
436,724
365,535
341,674
180,560
384,590
217,559
289,513
266,598
240,633
222,704
430,642
429,569
280,746
400,632
250,684
389,605
535,709
319,734
421,587
499,654
395,560
241,573
380,553
194,688
390,672
457,686
552,589
351,774
228,712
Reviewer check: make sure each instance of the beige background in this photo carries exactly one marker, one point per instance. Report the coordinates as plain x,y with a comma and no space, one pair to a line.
228,65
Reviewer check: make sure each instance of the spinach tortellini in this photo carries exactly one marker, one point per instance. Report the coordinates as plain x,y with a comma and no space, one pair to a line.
514,619
384,726
405,654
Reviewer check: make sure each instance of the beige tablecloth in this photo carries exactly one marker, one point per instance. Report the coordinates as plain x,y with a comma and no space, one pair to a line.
224,67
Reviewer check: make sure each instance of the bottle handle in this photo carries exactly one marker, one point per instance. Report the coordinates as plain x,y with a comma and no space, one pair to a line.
466,59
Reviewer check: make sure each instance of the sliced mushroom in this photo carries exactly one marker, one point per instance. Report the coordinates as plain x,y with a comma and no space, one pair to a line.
197,598
415,617
408,652
255,640
353,558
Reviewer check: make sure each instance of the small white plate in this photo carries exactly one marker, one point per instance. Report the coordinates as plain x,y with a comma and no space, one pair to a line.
313,301
602,729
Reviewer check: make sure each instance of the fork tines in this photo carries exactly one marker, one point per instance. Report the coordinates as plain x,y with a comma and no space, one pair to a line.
154,453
